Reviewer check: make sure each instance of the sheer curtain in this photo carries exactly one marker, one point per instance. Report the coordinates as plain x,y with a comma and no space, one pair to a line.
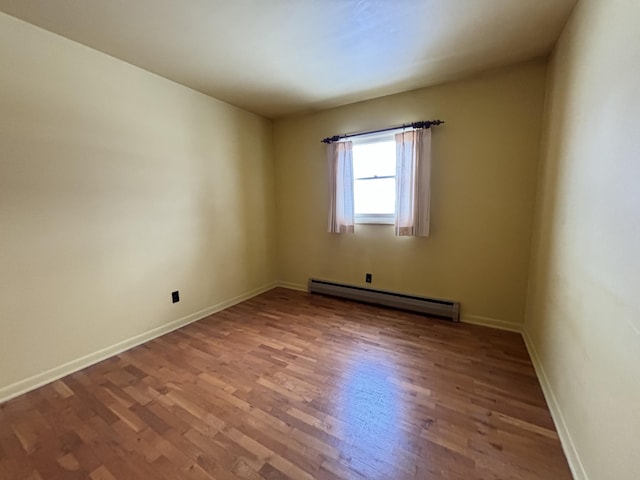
413,183
341,211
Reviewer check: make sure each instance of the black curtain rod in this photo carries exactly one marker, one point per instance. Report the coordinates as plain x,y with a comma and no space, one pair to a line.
423,124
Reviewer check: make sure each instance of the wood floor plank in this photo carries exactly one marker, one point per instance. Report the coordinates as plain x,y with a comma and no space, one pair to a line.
293,386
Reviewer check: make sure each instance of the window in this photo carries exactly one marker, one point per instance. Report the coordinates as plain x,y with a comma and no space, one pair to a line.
374,174
370,183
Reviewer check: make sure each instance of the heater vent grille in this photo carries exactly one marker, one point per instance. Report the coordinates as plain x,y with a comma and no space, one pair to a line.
427,306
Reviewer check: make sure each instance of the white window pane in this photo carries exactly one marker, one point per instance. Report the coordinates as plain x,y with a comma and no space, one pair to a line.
374,159
375,196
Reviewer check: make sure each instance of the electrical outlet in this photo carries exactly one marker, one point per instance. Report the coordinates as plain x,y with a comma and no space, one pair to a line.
367,277
175,296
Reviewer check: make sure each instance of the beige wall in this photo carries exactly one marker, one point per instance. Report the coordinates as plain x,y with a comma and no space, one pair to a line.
583,318
484,181
117,187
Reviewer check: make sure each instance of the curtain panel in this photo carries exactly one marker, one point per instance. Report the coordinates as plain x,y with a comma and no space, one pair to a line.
413,183
341,204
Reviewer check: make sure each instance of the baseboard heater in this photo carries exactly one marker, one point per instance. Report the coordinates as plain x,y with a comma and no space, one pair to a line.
427,306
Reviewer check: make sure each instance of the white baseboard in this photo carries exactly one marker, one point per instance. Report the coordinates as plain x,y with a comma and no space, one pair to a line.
293,286
48,376
491,322
570,451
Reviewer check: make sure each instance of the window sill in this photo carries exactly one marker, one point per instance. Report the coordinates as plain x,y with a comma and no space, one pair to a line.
376,219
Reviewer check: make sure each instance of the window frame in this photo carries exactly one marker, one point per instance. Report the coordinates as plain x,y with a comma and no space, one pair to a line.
374,218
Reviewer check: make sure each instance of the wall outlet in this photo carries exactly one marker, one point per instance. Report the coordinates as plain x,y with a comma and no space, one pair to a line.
367,277
175,296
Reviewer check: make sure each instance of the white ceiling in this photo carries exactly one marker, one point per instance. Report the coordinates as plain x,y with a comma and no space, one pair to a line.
277,57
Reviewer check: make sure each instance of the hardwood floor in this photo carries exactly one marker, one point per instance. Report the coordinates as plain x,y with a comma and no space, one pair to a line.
293,386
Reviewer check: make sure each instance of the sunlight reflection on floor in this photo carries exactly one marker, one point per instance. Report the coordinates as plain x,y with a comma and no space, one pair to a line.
372,411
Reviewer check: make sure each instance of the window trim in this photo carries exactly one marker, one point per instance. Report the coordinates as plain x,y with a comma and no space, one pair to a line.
374,138
376,218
